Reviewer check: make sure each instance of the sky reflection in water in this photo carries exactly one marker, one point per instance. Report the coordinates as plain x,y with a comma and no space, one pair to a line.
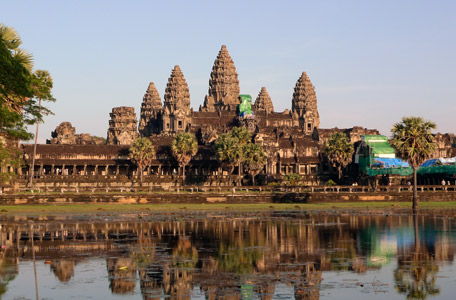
230,256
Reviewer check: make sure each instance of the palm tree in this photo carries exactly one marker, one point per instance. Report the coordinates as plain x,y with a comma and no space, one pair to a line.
184,147
339,151
13,41
226,147
16,67
254,159
243,137
42,85
413,141
142,153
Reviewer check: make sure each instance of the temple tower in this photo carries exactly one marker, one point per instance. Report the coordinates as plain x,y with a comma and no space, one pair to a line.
304,105
151,109
263,102
223,85
176,111
122,126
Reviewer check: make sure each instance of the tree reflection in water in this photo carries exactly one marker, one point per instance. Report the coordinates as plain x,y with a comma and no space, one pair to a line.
236,257
417,268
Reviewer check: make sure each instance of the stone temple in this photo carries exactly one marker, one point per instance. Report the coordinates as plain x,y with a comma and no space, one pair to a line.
293,140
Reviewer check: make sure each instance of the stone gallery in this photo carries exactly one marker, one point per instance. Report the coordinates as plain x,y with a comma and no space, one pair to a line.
292,140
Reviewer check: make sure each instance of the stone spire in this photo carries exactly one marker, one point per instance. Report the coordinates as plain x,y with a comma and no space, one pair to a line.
122,126
177,94
150,110
263,102
304,104
176,111
223,85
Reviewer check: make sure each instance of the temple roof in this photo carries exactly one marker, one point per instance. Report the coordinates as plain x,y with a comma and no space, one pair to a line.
223,84
263,102
177,94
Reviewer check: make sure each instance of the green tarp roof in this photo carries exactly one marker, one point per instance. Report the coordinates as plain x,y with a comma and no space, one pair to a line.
378,144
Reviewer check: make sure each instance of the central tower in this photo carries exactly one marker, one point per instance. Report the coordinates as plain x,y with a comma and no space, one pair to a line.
223,85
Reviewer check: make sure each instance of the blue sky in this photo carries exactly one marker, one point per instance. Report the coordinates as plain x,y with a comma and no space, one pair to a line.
372,62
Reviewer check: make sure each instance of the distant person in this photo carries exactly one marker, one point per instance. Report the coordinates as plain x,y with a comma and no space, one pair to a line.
443,182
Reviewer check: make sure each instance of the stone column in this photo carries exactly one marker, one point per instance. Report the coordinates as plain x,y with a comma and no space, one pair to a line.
106,169
74,170
52,169
41,169
117,170
96,169
85,169
63,170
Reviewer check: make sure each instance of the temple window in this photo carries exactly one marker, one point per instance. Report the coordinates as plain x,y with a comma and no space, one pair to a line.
179,124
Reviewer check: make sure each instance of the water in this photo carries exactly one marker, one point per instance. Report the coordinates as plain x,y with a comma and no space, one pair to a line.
230,255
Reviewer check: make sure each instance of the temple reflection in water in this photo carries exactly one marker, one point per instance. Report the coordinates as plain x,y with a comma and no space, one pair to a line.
229,257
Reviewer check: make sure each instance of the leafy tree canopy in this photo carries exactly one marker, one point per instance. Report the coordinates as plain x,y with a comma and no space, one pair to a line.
339,151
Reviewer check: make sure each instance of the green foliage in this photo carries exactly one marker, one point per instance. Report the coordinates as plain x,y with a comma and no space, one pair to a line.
236,148
9,157
20,89
339,151
254,159
330,183
21,95
242,135
227,149
142,153
291,179
184,146
413,140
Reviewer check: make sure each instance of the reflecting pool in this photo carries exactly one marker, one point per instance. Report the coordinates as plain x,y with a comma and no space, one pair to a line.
230,255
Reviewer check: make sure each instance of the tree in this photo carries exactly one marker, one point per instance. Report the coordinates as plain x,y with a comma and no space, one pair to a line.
291,179
243,137
413,141
142,153
184,147
226,147
339,151
254,159
42,85
19,91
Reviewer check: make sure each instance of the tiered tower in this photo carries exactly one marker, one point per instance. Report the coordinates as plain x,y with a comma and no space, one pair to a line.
151,109
304,105
176,110
223,85
122,126
263,102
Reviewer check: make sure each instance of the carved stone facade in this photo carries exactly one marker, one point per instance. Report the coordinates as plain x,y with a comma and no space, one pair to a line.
122,126
292,140
151,110
304,105
223,85
263,102
176,111
65,134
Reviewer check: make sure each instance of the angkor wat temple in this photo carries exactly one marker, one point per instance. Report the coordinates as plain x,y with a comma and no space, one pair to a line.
292,139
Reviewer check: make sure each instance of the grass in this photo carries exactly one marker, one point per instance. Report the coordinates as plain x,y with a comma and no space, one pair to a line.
126,208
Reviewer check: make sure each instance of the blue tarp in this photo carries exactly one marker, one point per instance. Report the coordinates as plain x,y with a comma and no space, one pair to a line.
389,163
430,162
